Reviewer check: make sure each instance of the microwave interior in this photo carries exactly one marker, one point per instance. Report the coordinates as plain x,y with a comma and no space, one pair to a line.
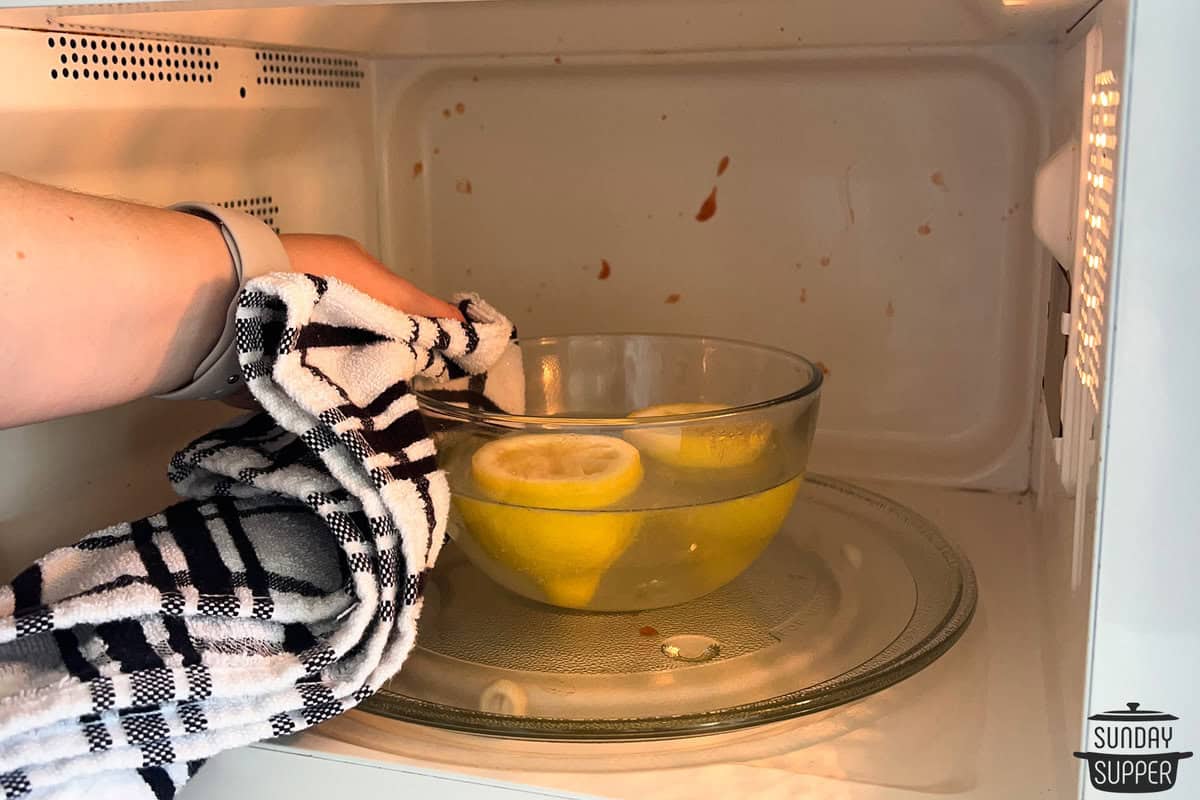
898,191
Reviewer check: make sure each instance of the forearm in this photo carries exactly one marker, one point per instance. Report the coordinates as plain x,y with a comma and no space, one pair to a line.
101,301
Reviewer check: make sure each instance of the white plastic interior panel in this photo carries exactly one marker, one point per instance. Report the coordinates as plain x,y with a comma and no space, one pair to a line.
1065,541
869,209
578,26
162,121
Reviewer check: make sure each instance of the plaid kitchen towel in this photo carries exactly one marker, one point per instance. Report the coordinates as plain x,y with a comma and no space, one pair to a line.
284,589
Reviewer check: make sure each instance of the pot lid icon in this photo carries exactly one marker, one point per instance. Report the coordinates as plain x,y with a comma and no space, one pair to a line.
1133,714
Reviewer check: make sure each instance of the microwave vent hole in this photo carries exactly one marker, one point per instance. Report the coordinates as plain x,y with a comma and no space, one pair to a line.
316,70
93,57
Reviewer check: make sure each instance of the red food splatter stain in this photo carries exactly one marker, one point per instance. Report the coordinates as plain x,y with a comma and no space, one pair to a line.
446,113
821,366
646,630
70,218
460,108
418,168
20,256
558,59
803,295
938,180
849,197
463,186
724,165
825,261
605,270
672,299
923,229
708,207
890,311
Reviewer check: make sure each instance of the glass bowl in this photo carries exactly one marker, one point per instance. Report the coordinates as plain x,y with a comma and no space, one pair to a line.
693,450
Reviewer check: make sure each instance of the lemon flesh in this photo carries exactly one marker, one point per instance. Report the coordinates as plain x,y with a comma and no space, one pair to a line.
568,471
545,525
712,445
729,535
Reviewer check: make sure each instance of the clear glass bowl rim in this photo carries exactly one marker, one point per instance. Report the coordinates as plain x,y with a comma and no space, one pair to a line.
466,414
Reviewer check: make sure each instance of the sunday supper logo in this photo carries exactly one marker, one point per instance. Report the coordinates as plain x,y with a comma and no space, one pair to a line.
1132,751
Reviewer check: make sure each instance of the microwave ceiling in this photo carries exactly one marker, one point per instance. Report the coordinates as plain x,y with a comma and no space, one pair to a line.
413,28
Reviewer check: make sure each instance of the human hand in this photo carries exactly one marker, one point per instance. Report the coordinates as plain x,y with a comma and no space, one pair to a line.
345,259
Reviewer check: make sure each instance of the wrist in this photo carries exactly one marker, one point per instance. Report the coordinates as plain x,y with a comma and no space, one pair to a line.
252,249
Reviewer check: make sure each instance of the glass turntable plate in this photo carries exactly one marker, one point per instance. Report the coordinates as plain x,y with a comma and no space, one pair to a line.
855,594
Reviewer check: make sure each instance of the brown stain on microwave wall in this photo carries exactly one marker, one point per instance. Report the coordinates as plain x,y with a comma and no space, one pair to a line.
849,197
722,166
460,108
825,260
923,229
672,299
708,208
938,180
605,270
418,168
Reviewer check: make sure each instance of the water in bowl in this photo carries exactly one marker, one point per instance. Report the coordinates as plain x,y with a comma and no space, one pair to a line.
685,531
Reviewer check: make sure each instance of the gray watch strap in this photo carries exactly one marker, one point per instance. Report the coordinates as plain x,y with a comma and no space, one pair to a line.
255,250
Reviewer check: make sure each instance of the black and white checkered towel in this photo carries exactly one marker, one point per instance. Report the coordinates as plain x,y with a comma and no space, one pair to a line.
283,590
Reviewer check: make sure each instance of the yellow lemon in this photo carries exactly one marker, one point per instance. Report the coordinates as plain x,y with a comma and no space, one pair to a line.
710,445
724,538
546,528
570,471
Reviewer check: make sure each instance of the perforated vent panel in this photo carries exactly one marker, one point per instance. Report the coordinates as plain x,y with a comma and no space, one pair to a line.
1083,379
1098,219
295,69
262,207
113,58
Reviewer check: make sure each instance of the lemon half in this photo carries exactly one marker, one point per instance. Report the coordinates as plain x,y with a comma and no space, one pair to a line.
544,523
709,445
729,535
